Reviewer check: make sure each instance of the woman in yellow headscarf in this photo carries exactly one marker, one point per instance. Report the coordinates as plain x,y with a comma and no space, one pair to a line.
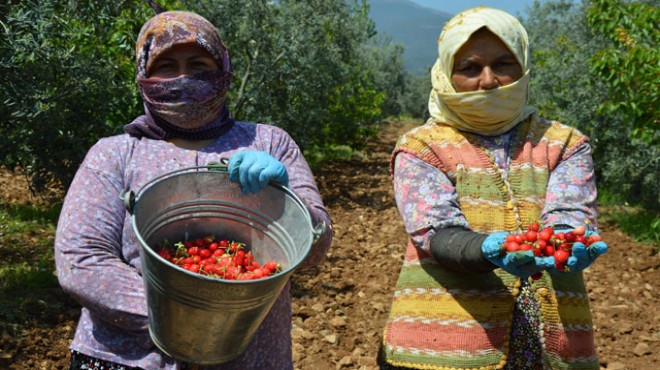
485,166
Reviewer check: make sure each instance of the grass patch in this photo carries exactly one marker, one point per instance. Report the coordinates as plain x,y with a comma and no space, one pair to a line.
27,234
316,156
29,214
640,224
29,291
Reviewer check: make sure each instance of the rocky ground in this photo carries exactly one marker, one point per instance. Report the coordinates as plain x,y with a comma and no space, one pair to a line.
340,306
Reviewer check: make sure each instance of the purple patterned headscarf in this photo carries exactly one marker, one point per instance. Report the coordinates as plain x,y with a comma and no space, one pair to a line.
190,106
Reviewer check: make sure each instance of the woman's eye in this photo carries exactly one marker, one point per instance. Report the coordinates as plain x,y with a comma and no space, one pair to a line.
163,67
471,68
201,65
503,64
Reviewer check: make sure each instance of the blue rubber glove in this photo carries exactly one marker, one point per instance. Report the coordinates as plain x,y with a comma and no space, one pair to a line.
582,257
253,170
522,264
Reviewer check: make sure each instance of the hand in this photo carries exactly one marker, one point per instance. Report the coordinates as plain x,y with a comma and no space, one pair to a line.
254,170
582,256
521,264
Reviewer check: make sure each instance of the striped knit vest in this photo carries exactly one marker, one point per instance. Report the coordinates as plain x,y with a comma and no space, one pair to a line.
441,319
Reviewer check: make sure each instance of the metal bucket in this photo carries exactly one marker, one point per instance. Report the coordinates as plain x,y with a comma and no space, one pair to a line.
199,201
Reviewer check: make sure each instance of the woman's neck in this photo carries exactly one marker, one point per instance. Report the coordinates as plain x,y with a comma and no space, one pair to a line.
191,144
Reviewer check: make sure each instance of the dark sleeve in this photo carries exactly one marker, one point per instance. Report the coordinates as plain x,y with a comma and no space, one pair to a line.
459,249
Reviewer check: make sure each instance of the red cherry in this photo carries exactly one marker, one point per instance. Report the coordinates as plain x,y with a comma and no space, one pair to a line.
531,236
595,238
545,234
519,238
561,256
570,237
205,253
549,250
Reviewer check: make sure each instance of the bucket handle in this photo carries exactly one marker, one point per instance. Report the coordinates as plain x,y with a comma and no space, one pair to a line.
128,197
318,231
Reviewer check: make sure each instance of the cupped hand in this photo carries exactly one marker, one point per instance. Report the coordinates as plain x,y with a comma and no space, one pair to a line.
521,263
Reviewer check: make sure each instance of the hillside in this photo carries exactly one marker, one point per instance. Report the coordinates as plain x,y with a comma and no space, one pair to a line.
415,27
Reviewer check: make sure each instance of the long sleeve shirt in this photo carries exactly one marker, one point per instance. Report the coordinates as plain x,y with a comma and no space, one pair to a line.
97,252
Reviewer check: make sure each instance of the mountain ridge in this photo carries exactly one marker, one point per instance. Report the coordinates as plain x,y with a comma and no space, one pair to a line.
412,25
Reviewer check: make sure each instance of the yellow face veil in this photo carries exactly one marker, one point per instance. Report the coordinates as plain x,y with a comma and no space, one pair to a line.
484,112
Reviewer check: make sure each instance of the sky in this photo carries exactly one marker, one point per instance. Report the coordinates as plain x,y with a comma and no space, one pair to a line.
514,7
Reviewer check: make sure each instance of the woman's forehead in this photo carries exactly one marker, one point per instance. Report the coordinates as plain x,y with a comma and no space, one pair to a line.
169,29
483,41
188,50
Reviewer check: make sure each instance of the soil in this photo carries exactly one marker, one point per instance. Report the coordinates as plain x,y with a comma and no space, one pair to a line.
339,307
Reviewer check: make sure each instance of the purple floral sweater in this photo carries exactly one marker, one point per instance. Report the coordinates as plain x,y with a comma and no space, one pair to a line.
97,253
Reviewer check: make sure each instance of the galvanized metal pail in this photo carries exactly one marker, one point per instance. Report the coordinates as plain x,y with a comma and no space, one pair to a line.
199,201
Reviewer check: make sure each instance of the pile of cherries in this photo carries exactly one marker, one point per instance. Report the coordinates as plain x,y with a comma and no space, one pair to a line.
222,259
543,241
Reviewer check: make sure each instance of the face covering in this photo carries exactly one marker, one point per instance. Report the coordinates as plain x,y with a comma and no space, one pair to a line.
484,112
187,102
189,107
488,112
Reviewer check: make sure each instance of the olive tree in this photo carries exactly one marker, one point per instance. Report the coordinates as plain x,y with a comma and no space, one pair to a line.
565,86
68,77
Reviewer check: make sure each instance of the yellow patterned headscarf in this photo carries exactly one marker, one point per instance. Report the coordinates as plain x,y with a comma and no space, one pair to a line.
489,112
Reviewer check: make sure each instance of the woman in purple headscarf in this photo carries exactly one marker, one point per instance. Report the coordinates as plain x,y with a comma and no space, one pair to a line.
183,74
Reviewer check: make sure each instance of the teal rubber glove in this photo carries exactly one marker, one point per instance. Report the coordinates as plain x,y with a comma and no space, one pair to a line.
253,170
522,264
581,256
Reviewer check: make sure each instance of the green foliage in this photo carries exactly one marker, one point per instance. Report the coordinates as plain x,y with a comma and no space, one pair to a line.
317,155
21,218
303,66
630,65
416,96
28,284
643,225
384,60
564,88
68,74
26,233
67,82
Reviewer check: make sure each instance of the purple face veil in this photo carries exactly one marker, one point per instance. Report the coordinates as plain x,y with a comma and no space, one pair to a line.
190,106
